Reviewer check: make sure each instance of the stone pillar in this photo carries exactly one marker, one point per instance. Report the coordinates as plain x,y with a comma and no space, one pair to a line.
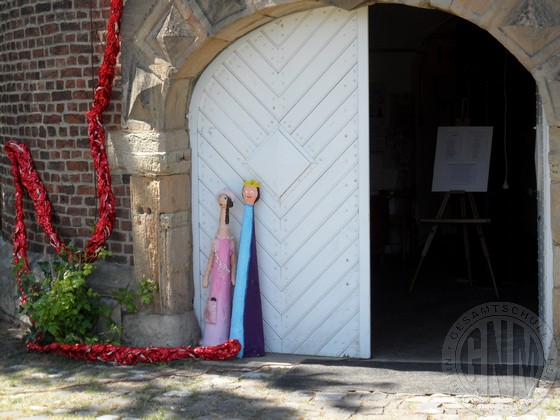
160,187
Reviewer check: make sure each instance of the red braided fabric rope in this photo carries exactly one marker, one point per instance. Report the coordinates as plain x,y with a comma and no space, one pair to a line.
25,176
132,355
101,101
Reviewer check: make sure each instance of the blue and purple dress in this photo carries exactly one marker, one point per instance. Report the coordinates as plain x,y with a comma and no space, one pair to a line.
246,316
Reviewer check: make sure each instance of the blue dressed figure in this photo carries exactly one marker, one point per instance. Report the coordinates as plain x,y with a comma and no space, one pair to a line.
246,316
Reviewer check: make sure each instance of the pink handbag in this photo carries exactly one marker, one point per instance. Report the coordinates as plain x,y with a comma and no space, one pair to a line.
211,311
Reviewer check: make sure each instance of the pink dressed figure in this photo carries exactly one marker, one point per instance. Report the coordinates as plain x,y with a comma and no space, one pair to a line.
220,276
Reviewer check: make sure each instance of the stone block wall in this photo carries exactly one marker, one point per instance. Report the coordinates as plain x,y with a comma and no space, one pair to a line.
50,52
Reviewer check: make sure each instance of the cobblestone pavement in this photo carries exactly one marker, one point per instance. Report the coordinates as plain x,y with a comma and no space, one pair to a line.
34,386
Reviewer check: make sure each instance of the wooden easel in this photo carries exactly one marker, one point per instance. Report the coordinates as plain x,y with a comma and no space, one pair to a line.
465,222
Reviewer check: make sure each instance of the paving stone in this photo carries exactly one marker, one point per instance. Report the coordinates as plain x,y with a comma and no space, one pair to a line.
10,414
444,399
453,405
349,405
21,367
310,408
335,415
394,405
502,400
375,403
85,413
403,395
490,408
257,375
369,411
301,395
58,411
429,407
355,395
329,396
374,396
418,398
177,394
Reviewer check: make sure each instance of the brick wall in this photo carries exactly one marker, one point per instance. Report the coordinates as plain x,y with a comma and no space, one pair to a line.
49,51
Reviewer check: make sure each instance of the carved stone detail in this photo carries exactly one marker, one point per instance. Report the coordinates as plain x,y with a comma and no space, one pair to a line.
172,36
165,36
534,25
216,11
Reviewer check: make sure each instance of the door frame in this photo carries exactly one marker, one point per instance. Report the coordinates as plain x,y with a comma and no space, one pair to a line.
364,140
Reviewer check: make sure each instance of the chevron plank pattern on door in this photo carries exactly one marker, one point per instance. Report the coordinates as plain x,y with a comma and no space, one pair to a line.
281,106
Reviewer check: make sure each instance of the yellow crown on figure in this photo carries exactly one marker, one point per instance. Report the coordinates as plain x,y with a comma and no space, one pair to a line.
251,183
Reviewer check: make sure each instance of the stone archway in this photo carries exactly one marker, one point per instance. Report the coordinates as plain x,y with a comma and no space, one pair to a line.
167,45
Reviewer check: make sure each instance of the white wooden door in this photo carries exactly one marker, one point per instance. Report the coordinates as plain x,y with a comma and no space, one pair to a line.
287,105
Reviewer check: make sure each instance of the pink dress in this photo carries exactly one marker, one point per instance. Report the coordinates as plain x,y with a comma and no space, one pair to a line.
217,315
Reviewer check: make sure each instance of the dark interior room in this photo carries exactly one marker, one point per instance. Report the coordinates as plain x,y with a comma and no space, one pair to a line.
429,69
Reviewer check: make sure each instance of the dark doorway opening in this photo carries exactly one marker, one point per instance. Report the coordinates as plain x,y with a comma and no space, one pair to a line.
430,69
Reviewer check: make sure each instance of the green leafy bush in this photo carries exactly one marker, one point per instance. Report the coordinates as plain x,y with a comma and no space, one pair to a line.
146,290
60,304
145,294
63,308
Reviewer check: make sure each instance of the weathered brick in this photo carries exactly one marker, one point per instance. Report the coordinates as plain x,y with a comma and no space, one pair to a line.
62,4
56,166
61,95
87,190
50,74
59,50
74,118
41,97
72,72
70,26
43,7
24,55
27,10
32,31
49,28
77,166
52,119
81,94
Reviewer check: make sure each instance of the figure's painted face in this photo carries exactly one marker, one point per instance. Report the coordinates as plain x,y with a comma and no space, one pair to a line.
250,194
223,201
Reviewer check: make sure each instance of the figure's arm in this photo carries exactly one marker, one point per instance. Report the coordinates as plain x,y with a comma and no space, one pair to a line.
208,269
233,265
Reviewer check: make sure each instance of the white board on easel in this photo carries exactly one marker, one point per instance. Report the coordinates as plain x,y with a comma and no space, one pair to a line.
462,159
